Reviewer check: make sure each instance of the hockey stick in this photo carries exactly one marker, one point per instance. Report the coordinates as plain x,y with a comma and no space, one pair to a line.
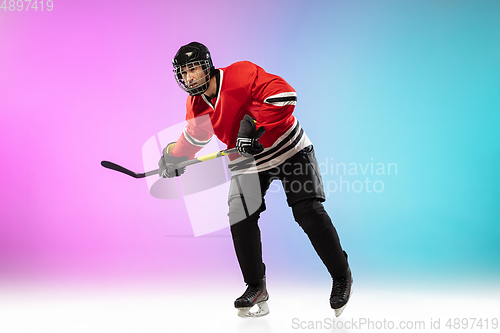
116,167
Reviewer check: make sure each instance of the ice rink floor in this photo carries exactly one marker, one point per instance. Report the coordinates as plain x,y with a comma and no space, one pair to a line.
208,308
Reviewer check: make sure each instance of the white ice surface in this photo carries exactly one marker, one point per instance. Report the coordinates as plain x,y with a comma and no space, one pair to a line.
210,309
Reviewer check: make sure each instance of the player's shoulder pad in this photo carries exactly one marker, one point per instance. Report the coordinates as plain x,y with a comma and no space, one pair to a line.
239,74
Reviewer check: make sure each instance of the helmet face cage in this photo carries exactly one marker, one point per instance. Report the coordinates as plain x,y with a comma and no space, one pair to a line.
193,77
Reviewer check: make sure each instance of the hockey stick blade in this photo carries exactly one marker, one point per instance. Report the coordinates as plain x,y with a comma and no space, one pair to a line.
116,167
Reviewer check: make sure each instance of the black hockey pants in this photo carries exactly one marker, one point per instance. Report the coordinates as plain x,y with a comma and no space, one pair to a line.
302,183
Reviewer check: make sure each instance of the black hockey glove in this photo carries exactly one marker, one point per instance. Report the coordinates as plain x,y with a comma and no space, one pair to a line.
167,162
247,142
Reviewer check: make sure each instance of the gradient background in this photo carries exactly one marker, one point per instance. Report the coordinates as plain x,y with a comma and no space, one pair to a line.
414,83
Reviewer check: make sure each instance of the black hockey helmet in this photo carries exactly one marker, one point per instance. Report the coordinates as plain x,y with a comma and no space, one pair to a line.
192,55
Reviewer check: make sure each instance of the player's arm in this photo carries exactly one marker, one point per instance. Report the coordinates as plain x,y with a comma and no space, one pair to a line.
195,136
278,99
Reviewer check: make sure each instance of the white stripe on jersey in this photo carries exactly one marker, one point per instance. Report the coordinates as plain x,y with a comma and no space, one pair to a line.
282,99
193,141
289,148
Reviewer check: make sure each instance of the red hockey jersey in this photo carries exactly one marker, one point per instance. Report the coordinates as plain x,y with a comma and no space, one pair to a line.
245,88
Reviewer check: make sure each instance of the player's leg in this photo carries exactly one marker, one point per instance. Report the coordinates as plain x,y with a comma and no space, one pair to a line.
246,202
304,189
314,220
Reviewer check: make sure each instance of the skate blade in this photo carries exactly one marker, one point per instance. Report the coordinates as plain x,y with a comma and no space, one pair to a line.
338,311
262,311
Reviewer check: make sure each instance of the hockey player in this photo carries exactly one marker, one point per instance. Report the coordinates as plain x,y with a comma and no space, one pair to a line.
251,110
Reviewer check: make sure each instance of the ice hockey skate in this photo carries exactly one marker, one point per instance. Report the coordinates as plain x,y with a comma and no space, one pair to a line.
255,295
341,292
